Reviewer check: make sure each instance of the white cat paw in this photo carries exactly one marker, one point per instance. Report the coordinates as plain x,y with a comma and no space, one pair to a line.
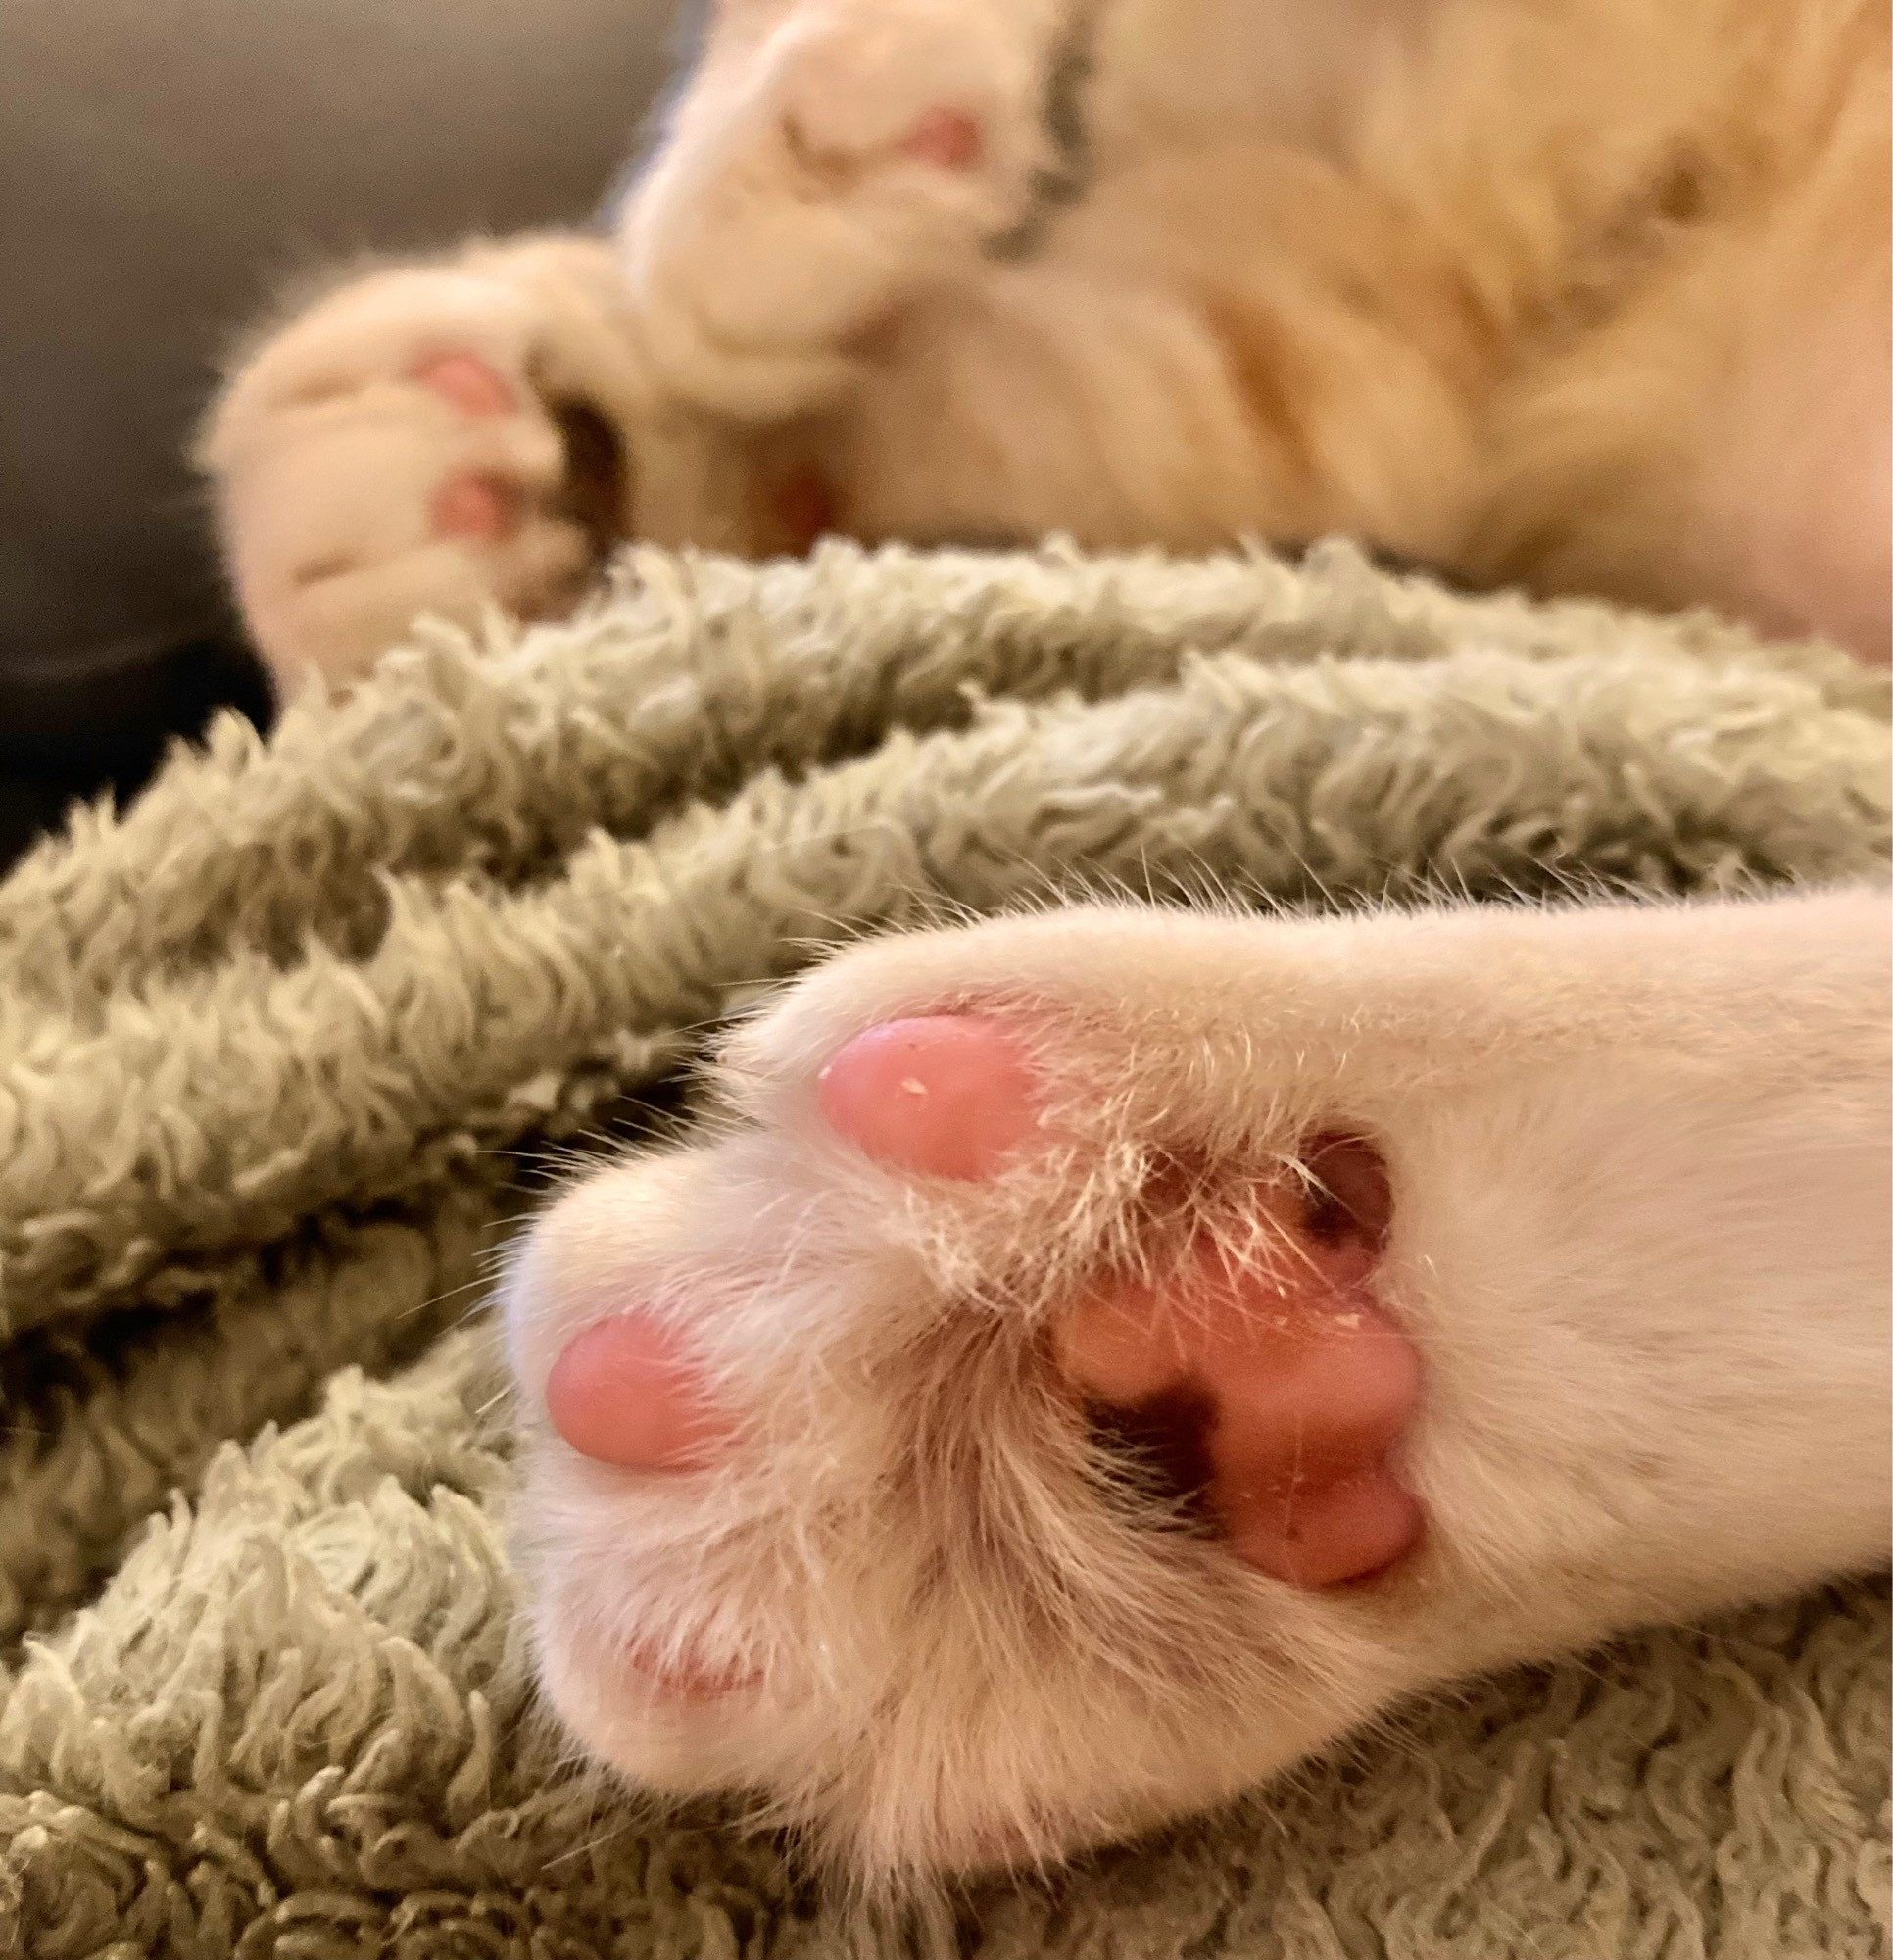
391,454
819,181
999,1441
1109,1355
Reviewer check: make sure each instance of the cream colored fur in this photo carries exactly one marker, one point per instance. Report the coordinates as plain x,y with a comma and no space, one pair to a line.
1591,296
1641,1167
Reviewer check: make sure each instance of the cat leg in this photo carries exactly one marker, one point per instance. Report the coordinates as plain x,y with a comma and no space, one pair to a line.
427,439
1109,1355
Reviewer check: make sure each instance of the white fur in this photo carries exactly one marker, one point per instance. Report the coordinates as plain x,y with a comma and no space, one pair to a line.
1639,1160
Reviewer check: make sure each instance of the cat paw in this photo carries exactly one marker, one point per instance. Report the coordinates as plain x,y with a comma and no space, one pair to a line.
1107,1356
1000,1439
817,181
393,454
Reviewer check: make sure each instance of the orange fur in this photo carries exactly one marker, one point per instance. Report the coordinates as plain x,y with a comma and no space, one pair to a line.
1586,295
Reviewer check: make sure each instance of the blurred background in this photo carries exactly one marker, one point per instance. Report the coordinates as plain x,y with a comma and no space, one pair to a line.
164,167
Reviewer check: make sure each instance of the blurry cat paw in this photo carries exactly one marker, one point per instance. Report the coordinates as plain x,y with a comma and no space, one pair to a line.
817,184
393,454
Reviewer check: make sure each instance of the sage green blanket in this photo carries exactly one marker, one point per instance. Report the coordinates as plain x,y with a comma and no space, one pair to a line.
283,1051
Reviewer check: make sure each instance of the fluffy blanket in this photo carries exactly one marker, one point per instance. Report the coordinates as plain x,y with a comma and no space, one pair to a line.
284,1049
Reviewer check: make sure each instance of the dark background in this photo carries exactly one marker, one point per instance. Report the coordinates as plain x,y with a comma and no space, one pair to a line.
164,167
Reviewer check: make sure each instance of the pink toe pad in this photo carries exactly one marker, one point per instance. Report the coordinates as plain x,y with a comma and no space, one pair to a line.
625,1393
474,506
939,1095
1330,1534
688,1677
468,383
948,138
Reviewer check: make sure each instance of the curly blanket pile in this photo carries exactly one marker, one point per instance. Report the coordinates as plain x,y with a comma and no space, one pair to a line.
284,1049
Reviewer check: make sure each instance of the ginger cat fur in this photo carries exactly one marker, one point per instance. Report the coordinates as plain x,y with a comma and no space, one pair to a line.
1588,296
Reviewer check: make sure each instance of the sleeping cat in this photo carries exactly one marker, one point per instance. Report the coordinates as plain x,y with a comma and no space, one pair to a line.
1108,1355
1589,295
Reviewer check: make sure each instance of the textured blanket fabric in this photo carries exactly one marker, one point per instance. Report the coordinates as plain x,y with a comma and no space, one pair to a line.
284,1049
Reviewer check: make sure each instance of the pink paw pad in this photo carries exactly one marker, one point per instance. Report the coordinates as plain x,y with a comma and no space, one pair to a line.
948,138
1270,1395
473,385
625,1391
937,1094
474,506
689,1676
